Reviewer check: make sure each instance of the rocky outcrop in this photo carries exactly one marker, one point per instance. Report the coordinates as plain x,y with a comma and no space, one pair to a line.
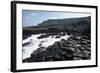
66,21
75,48
73,26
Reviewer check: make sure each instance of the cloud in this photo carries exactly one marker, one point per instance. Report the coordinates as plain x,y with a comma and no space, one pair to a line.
33,14
56,17
53,18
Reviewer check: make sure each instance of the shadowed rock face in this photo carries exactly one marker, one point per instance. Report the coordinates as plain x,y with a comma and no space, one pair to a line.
74,26
71,26
66,21
75,48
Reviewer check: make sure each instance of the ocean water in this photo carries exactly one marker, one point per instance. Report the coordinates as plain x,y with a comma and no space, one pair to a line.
34,43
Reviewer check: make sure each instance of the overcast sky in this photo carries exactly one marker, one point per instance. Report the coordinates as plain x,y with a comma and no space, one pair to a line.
33,17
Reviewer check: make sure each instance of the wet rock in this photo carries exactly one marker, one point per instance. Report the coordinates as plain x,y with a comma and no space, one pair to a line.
70,39
62,34
84,42
40,44
56,45
76,45
87,52
58,36
43,36
88,49
86,37
69,45
76,38
39,50
69,42
88,41
69,53
27,43
63,40
80,55
52,34
89,45
63,53
75,48
81,48
72,49
27,60
77,58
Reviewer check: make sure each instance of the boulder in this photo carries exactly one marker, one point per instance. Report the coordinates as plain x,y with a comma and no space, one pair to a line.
77,58
72,49
75,45
86,37
57,36
84,42
43,36
76,38
62,34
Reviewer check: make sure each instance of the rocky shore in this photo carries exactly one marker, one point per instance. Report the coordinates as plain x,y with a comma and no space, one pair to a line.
74,48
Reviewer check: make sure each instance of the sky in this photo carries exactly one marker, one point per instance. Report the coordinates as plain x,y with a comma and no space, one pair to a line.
34,17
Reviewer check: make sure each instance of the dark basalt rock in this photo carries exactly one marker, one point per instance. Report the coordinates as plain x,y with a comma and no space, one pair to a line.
26,43
43,36
88,41
77,38
40,44
72,49
58,36
77,58
84,42
62,34
26,35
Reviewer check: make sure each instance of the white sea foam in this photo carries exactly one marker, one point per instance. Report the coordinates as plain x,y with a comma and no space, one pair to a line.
34,43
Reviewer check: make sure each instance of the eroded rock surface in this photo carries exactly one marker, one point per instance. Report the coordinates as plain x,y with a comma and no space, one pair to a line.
74,48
